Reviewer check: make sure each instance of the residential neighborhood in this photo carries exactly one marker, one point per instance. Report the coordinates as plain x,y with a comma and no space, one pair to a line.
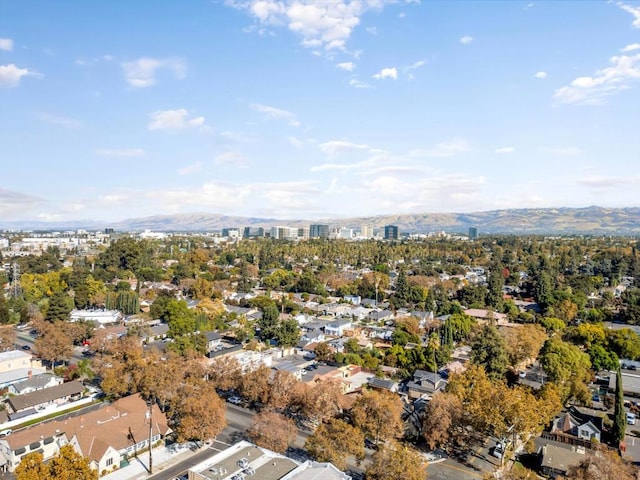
139,351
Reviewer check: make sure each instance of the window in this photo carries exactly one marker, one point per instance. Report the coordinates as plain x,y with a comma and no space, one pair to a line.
109,461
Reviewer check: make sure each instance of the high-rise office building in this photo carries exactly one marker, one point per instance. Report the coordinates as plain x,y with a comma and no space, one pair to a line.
390,232
319,231
366,231
253,232
473,233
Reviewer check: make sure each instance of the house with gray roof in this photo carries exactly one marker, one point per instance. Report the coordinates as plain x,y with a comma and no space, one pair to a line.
37,382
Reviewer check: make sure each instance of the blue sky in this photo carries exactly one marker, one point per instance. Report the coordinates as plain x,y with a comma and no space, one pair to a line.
316,109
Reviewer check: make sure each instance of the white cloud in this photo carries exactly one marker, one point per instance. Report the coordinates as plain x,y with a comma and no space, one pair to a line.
59,120
232,158
335,147
141,73
387,73
324,24
10,75
408,70
174,120
503,150
276,113
6,44
123,152
348,66
541,75
466,40
448,148
631,48
355,83
92,61
608,81
372,30
635,11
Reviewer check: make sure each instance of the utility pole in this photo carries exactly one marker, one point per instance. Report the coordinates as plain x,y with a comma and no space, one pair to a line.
150,436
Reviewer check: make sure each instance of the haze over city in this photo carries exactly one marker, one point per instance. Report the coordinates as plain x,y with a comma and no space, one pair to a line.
316,109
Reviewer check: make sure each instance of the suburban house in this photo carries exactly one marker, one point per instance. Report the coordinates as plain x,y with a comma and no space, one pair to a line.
484,316
337,328
17,366
108,436
213,340
557,460
39,400
383,384
576,427
425,384
37,382
381,316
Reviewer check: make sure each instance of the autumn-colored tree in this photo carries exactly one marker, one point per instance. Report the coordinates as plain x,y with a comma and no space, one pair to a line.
281,389
70,465
67,465
334,441
603,464
225,373
53,344
7,336
254,385
197,413
379,415
319,400
32,467
395,460
523,343
322,351
442,419
519,472
273,431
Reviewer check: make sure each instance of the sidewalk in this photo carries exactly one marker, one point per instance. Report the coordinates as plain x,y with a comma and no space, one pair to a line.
163,457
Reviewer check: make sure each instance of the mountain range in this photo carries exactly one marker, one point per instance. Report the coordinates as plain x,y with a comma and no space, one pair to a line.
562,221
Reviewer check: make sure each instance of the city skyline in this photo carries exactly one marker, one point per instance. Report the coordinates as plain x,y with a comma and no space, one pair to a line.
323,109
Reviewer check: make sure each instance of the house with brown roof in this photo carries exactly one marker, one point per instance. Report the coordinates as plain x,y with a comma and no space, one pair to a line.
41,399
108,436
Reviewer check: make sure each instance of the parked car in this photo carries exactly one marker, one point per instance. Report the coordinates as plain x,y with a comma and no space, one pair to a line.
5,433
235,400
26,347
631,418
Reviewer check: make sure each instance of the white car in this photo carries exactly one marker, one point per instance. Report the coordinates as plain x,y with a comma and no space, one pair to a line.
235,400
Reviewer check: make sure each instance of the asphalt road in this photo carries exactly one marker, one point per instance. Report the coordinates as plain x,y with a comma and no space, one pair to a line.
23,337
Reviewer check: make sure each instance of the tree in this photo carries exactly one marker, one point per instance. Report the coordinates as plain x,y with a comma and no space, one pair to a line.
4,309
273,431
488,350
181,320
32,467
288,333
619,414
59,307
322,351
281,389
254,385
568,367
70,465
603,464
67,465
269,322
441,419
7,337
197,413
225,373
524,343
53,344
379,415
396,460
334,441
320,400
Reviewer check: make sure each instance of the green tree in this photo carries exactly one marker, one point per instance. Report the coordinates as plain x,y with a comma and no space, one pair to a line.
568,367
619,414
59,307
288,333
488,350
180,318
269,322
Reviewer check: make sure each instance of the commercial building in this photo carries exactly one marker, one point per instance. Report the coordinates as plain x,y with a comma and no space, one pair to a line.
391,232
473,233
319,231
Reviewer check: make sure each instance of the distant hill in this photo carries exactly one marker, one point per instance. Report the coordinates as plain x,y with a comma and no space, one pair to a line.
590,220
562,221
